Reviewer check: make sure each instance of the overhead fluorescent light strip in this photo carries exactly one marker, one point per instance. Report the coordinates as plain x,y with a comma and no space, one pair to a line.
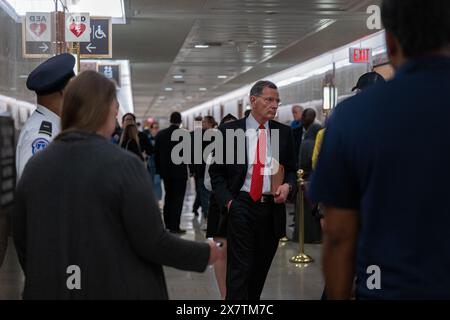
105,8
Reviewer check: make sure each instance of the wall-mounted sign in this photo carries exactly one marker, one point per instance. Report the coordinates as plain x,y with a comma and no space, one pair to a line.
88,66
360,55
38,27
100,44
111,71
77,27
37,35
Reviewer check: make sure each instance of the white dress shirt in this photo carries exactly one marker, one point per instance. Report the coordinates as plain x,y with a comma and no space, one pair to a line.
252,133
37,133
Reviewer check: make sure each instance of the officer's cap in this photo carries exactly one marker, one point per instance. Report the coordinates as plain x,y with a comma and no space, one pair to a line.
52,75
368,79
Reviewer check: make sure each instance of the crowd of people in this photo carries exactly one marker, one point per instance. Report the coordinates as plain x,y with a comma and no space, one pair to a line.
88,189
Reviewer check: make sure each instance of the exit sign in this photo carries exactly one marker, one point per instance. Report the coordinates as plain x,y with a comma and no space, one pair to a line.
360,55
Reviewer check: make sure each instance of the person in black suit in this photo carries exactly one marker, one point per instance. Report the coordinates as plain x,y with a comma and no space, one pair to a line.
256,216
174,175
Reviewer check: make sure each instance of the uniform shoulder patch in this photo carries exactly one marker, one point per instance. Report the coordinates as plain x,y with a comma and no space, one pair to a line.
46,128
39,144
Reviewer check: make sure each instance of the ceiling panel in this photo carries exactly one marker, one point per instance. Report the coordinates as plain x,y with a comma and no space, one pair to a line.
236,32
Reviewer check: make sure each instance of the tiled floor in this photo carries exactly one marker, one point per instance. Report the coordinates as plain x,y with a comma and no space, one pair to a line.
285,280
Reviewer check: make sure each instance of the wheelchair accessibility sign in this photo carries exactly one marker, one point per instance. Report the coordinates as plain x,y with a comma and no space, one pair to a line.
100,45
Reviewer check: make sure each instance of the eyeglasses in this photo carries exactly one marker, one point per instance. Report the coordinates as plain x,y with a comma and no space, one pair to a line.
270,100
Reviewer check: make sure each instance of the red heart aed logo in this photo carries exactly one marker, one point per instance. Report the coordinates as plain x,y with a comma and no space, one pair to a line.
77,29
38,28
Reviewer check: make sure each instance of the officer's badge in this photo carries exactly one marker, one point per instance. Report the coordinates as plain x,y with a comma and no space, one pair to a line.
39,144
46,128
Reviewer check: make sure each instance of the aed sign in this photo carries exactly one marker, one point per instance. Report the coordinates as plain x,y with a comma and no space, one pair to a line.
77,27
360,55
38,27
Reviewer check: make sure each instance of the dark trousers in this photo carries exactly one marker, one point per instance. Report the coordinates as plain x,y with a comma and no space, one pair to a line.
197,203
251,247
173,202
203,194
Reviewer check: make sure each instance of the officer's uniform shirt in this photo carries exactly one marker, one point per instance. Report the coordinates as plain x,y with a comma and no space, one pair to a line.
39,130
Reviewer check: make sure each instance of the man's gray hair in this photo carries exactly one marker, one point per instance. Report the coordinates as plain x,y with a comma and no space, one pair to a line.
258,87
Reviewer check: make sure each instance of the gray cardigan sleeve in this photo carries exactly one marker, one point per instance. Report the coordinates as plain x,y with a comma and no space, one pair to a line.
19,222
143,224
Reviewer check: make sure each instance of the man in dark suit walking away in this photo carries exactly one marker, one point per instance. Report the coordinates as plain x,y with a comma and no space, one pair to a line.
256,210
173,175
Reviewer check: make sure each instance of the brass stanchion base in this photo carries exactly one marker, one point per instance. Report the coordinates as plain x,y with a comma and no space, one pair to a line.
301,258
284,239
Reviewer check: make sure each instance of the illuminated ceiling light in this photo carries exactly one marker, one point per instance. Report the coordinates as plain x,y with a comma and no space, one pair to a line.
107,8
270,46
202,89
201,46
178,76
222,77
168,89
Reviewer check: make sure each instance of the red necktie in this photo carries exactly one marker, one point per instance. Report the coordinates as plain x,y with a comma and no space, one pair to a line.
257,182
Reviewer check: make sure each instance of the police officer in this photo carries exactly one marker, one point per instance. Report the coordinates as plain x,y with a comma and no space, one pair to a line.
48,81
367,80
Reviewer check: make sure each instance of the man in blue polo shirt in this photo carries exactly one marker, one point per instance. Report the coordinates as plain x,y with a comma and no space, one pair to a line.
383,173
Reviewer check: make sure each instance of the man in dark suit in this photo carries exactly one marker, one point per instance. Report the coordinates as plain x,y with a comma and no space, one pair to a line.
304,140
256,212
173,175
310,129
198,166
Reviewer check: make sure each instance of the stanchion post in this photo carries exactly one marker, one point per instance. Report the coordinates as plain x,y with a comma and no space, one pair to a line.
301,257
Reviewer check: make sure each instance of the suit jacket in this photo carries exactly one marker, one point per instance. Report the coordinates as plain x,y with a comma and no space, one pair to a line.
307,148
163,161
86,202
228,179
145,144
297,133
133,147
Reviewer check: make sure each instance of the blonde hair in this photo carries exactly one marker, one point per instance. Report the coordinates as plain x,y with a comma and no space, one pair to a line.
129,132
87,102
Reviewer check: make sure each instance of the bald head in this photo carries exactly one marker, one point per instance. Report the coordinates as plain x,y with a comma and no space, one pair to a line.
309,116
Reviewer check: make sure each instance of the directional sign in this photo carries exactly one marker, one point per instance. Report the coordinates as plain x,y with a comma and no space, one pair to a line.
111,71
36,36
77,25
100,45
38,26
